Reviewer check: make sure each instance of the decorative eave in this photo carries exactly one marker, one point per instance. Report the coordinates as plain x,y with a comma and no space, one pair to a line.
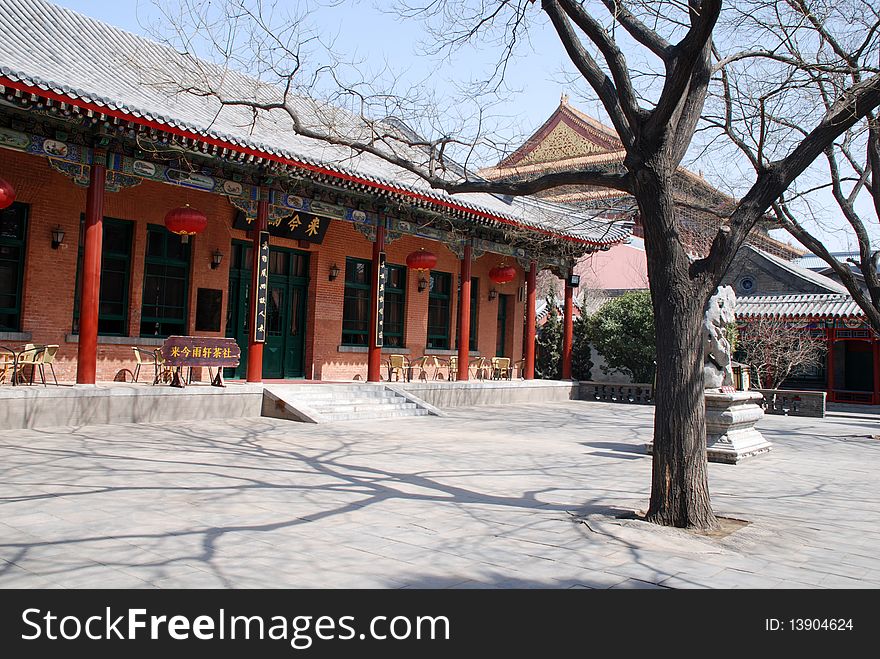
100,110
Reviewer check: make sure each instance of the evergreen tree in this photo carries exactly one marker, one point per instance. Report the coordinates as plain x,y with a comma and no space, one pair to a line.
581,354
623,333
548,344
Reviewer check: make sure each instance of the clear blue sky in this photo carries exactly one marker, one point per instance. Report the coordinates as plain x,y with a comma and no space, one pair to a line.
363,31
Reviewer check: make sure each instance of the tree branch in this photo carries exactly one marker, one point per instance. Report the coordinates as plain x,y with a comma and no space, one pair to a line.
638,30
593,74
773,180
613,57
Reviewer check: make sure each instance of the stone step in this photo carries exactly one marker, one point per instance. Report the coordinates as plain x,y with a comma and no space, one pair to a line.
355,396
377,414
331,408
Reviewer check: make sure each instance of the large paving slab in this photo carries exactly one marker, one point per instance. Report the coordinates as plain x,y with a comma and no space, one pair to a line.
522,496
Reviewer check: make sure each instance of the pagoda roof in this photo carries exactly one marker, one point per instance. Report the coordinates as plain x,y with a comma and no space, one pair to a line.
57,54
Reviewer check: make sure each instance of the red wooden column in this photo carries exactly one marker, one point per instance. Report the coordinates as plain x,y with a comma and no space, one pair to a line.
567,333
875,345
531,299
255,348
829,334
464,314
374,356
87,350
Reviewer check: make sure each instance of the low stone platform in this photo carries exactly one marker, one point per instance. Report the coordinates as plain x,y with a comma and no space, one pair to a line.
471,393
88,405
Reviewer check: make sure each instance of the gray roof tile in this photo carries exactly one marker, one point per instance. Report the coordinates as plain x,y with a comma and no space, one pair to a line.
809,305
55,48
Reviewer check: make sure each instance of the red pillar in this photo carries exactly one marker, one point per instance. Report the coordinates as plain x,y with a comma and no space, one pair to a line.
255,349
567,333
87,351
464,314
829,334
374,356
876,349
531,299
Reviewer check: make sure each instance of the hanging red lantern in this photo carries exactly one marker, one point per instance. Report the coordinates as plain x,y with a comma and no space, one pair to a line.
7,194
421,260
501,274
185,221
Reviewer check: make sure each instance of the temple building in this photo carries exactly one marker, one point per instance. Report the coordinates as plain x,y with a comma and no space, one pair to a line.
569,139
111,169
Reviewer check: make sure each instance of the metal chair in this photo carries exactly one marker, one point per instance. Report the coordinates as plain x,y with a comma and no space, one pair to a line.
397,364
8,364
48,359
501,369
31,355
479,367
427,362
144,358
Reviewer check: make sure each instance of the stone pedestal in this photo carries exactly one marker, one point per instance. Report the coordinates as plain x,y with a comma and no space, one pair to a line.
731,435
730,426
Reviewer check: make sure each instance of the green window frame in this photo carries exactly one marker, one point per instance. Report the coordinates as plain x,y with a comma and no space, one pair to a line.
166,284
115,276
13,236
438,310
394,322
475,298
356,302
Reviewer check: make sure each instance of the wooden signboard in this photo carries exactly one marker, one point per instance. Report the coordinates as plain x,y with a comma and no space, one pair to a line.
381,277
211,351
259,324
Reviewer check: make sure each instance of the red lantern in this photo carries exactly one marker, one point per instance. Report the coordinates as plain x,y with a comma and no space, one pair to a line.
501,274
7,194
185,221
421,260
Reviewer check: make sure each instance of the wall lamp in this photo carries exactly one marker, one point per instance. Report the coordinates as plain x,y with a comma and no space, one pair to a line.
492,294
423,284
334,272
57,237
216,259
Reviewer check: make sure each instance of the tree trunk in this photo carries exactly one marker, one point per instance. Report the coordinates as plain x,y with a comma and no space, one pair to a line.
679,485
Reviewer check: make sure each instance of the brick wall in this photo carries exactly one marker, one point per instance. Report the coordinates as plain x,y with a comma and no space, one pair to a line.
50,275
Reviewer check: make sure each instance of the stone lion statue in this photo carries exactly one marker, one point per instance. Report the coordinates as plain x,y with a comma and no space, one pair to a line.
717,369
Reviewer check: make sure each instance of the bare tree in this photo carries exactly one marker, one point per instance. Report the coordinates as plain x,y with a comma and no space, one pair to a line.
774,348
813,52
650,64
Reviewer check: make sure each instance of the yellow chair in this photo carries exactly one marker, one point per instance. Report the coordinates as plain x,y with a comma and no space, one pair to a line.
31,355
453,368
423,364
479,367
398,365
501,368
48,359
164,373
8,363
144,358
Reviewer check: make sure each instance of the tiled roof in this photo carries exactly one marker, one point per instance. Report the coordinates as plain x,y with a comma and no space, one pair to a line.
811,305
86,61
813,262
814,278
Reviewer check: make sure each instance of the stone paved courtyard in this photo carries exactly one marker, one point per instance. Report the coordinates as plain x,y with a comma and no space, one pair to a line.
513,496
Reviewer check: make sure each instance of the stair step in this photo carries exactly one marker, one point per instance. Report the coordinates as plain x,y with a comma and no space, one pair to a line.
330,408
377,414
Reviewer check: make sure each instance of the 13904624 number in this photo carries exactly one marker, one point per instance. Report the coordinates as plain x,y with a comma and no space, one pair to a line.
824,624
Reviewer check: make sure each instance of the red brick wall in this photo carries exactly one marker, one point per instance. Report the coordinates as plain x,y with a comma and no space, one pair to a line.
50,275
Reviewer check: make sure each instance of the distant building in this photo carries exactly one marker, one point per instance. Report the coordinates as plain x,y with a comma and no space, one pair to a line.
570,138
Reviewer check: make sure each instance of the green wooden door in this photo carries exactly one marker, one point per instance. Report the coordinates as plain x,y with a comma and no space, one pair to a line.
501,336
283,351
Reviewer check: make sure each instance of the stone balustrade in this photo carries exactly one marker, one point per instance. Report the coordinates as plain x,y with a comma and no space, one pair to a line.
794,403
617,393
